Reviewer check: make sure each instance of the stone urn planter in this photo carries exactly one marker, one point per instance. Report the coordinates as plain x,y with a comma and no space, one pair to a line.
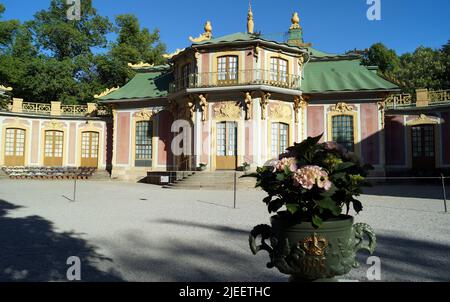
311,190
309,254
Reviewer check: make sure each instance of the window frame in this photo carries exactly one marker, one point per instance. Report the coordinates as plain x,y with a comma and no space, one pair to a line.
278,144
143,147
231,76
277,74
352,124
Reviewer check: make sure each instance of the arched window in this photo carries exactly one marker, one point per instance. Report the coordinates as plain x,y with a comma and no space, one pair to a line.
343,131
227,69
280,138
89,149
144,152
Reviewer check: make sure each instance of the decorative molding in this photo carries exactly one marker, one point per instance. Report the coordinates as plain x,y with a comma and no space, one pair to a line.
54,124
228,110
140,65
280,111
256,51
106,92
424,120
144,114
297,107
342,108
206,36
248,102
173,54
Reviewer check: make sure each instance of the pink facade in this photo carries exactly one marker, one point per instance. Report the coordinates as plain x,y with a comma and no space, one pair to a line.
35,142
446,137
370,139
72,142
315,121
123,138
395,140
165,156
248,142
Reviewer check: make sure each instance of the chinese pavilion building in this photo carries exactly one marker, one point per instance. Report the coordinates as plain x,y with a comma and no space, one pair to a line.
243,98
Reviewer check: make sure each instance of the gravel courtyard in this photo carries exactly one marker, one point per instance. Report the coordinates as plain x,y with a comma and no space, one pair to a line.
138,232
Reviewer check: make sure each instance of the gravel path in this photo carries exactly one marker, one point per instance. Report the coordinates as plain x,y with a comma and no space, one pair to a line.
137,232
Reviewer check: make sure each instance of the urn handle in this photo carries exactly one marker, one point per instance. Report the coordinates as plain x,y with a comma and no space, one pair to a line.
265,232
360,230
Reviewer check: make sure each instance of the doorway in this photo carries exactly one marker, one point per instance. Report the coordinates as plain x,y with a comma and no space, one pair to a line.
226,158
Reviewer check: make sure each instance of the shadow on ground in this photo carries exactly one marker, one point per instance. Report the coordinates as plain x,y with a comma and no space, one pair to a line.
416,190
224,257
31,251
406,259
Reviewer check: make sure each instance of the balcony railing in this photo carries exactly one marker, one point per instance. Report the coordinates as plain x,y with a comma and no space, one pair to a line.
399,101
239,78
37,108
439,97
422,98
74,110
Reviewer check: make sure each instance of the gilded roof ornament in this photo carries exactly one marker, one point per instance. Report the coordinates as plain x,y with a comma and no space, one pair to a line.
250,22
106,92
173,54
295,21
206,36
140,65
4,88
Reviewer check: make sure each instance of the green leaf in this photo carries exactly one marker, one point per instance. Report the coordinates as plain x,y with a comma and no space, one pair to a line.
292,208
329,204
281,177
317,221
345,166
357,206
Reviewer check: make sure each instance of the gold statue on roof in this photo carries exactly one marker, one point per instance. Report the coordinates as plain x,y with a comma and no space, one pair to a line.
140,65
106,92
206,36
250,22
171,55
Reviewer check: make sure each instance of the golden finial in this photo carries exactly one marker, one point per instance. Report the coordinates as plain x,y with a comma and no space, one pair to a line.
171,55
295,21
250,22
206,36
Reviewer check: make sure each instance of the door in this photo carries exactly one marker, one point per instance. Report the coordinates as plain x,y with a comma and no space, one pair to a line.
227,70
15,147
423,147
226,158
54,141
89,149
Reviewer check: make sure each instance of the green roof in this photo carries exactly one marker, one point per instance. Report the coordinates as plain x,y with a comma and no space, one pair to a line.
144,85
342,75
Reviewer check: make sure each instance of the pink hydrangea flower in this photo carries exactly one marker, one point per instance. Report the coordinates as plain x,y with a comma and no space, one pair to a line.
309,176
290,163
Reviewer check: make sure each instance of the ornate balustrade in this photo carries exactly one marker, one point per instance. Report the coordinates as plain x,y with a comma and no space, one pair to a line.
239,78
38,108
399,101
439,97
56,109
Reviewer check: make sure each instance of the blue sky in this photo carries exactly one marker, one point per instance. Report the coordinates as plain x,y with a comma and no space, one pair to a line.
330,25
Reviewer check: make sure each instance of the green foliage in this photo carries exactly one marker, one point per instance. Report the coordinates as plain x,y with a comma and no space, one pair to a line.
314,202
51,58
424,68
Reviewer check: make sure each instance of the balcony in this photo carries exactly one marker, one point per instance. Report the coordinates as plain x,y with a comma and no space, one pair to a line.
423,98
239,78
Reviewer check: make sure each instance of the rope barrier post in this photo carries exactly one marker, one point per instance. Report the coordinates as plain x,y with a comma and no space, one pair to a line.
235,185
75,189
444,192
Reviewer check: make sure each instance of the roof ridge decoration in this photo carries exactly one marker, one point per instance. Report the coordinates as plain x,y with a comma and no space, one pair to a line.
206,36
173,54
140,65
4,88
106,92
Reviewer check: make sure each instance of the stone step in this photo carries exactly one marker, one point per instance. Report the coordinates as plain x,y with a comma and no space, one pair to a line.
101,175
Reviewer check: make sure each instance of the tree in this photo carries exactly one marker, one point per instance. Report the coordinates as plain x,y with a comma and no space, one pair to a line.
65,38
422,69
386,59
7,28
133,45
446,62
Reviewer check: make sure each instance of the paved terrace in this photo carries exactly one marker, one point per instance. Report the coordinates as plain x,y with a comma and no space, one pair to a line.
137,232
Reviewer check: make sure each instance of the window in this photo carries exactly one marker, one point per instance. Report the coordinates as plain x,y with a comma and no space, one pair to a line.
423,141
280,138
227,69
144,135
15,142
226,139
185,72
343,131
54,144
278,70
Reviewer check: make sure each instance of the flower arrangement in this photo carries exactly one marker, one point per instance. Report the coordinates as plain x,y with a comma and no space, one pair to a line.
313,182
